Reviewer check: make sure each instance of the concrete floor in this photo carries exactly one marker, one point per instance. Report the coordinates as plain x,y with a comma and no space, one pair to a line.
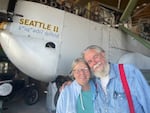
18,106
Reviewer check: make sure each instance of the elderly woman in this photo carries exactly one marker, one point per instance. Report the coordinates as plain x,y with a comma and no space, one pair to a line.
80,96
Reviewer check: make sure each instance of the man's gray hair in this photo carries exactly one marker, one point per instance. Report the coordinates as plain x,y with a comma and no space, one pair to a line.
95,47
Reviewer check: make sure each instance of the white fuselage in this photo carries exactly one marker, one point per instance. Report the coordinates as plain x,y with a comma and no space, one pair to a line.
24,40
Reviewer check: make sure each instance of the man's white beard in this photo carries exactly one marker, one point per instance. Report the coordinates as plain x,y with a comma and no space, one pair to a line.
104,72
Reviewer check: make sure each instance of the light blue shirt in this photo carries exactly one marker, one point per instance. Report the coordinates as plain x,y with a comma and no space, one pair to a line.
115,101
67,101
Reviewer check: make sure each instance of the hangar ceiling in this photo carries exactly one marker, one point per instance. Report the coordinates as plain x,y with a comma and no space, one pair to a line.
114,3
120,5
141,9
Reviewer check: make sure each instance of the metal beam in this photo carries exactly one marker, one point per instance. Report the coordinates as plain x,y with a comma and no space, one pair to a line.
128,10
137,37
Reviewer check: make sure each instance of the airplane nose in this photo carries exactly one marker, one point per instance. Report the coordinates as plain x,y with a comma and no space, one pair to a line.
28,55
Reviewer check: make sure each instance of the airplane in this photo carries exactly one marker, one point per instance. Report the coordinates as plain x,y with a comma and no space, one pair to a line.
42,41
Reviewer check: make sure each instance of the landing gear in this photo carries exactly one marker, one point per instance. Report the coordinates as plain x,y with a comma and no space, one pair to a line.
31,95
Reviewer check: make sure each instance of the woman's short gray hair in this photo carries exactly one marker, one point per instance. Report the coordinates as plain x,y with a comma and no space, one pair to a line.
76,61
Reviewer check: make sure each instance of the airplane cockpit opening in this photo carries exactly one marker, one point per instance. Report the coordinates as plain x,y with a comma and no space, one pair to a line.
42,37
50,45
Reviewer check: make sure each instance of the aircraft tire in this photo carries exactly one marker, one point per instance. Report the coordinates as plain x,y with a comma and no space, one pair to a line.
31,96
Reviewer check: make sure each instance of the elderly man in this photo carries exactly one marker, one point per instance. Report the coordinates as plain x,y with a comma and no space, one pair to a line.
110,90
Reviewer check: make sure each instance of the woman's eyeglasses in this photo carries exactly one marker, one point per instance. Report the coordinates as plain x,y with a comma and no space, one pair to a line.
78,71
